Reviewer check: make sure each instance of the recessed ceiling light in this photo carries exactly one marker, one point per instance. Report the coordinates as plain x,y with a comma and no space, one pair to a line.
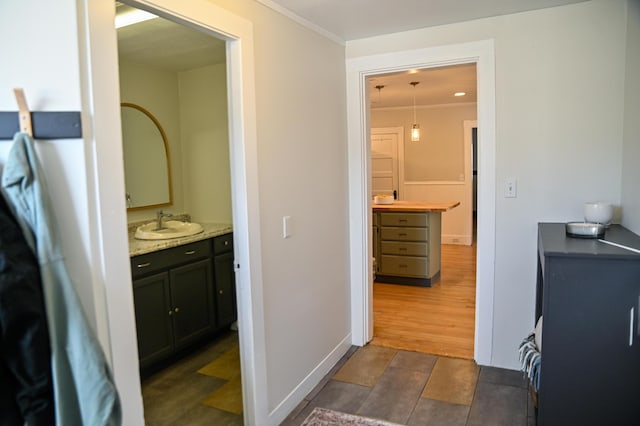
459,94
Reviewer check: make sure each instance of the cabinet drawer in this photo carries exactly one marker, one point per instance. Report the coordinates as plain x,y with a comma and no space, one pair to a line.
404,266
404,234
403,219
404,249
223,243
164,259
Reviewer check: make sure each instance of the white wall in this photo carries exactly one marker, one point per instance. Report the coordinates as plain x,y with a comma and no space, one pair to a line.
205,144
302,160
439,155
631,153
563,148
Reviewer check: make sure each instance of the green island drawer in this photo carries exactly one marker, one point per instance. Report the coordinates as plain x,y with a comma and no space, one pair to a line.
403,219
404,234
408,266
404,249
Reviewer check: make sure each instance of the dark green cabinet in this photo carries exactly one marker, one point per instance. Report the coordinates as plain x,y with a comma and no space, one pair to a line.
224,280
153,321
192,298
182,295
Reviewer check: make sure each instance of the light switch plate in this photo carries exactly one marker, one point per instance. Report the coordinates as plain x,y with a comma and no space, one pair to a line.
511,188
286,226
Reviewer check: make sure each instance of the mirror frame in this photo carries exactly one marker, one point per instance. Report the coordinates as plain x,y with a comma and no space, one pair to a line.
166,150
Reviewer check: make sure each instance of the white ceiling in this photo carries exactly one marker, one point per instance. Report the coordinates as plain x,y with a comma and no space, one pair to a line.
163,44
353,19
436,86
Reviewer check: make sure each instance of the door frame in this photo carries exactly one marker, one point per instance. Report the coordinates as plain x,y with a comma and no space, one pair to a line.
468,126
103,100
359,150
399,132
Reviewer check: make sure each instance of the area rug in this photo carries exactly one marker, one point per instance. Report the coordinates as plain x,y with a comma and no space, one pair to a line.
227,397
324,417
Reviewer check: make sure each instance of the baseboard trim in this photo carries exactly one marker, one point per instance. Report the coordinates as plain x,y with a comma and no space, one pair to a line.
291,401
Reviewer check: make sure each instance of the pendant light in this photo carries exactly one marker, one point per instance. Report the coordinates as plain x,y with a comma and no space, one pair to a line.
415,129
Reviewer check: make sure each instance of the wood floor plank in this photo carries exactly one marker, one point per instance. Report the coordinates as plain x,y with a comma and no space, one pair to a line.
437,320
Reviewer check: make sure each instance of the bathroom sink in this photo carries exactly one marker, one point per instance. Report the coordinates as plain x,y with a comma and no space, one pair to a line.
170,229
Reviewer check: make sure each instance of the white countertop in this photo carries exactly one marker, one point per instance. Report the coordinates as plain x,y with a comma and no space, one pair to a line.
137,247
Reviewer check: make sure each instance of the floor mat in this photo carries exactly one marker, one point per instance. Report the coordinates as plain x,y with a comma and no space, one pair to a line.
228,397
324,417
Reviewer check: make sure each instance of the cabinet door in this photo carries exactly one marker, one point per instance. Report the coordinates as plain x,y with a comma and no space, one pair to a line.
225,289
153,318
192,301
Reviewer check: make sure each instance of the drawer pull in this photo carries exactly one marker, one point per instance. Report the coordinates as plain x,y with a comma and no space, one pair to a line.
402,220
190,252
144,265
402,265
402,234
402,249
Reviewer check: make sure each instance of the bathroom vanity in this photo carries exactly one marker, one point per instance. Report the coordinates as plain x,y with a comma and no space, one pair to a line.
406,241
184,291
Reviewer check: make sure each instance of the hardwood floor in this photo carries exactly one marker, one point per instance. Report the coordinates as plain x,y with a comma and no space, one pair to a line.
437,320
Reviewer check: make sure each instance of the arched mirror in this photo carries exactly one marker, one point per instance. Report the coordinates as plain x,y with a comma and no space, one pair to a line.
147,166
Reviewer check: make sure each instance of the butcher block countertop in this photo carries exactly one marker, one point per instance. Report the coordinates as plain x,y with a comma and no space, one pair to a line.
416,206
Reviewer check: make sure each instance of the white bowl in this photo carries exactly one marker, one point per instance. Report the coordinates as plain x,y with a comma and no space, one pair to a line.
598,212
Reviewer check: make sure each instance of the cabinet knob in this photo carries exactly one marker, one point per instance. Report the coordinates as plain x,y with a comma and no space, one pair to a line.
170,313
226,243
220,291
176,310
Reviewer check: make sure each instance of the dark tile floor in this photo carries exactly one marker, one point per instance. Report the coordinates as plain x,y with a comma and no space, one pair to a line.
399,386
419,389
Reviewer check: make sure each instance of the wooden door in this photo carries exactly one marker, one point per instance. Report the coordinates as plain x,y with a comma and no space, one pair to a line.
384,164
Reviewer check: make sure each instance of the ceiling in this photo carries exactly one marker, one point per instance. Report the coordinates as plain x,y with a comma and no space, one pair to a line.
163,44
436,86
354,19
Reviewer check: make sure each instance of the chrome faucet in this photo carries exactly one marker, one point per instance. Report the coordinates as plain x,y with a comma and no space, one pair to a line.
159,215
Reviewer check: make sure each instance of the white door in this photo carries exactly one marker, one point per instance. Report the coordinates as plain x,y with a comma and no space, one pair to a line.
384,164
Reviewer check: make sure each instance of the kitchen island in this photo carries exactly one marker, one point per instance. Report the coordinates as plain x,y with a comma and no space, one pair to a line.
406,241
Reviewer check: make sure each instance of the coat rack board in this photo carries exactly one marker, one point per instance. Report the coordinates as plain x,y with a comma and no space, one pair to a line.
39,124
46,124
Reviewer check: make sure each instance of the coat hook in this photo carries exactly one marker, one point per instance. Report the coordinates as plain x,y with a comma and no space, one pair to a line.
23,112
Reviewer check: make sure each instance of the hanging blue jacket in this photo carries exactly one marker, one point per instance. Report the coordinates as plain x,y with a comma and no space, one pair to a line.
84,392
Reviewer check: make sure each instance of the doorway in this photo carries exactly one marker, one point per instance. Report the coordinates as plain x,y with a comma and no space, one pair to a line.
438,319
238,36
358,70
178,74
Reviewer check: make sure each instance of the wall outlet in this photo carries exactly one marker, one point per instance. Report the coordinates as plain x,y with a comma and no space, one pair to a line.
511,188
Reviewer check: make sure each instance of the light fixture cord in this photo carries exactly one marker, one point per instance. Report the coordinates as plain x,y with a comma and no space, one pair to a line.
414,104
